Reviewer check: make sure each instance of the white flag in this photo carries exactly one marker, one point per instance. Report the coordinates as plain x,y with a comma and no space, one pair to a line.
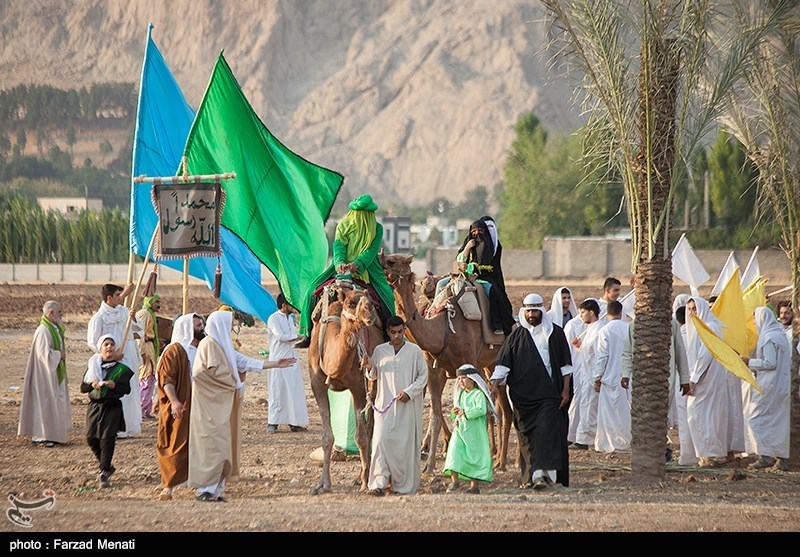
686,266
728,269
751,272
628,301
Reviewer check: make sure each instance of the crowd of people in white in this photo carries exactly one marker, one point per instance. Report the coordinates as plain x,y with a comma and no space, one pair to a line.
716,415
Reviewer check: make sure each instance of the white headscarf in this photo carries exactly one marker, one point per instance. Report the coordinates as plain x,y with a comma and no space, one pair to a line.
475,376
679,301
557,310
183,330
535,301
769,329
219,327
492,227
694,345
94,368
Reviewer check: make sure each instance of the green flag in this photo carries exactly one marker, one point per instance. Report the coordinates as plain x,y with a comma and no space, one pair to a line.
279,202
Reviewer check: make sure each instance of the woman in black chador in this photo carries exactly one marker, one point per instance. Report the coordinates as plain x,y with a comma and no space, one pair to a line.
480,256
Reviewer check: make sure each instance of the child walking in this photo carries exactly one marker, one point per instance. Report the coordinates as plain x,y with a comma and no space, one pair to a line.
469,456
107,381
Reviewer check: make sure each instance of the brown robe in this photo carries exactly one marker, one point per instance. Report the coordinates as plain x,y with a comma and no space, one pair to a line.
172,439
215,444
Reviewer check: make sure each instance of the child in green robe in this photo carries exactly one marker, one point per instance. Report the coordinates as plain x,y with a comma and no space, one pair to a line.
469,455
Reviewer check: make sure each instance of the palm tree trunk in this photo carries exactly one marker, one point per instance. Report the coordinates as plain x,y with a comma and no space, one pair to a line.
658,93
794,411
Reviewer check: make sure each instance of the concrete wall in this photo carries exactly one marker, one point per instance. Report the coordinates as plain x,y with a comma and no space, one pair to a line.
592,258
576,258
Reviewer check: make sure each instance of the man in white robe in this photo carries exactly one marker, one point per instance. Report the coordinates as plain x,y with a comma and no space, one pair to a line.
766,415
678,373
613,406
286,397
562,308
44,412
218,375
111,319
401,371
585,395
786,317
612,289
708,404
574,330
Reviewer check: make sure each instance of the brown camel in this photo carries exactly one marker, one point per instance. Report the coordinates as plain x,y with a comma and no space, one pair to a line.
342,328
445,352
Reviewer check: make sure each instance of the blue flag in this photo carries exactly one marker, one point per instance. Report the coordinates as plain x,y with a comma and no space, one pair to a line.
162,126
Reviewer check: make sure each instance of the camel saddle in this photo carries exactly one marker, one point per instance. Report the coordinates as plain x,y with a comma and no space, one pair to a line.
473,301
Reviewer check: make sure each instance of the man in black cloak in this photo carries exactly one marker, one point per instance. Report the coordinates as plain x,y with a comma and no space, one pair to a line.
480,258
535,364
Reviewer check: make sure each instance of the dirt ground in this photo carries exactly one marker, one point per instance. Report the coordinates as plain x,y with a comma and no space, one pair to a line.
272,493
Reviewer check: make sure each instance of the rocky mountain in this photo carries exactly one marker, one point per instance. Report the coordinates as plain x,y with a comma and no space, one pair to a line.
409,99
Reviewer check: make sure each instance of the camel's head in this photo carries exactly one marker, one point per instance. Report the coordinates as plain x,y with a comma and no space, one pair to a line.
396,266
428,285
358,307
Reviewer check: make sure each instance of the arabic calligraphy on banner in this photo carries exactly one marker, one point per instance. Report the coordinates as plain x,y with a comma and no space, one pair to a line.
188,219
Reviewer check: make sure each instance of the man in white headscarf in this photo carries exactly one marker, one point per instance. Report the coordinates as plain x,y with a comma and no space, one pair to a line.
766,415
217,391
708,405
613,404
174,398
562,307
535,364
44,413
111,319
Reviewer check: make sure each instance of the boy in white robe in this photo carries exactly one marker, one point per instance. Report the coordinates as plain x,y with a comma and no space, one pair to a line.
400,368
111,319
613,406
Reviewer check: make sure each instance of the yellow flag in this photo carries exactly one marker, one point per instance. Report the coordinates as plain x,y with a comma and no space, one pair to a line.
723,353
729,308
754,296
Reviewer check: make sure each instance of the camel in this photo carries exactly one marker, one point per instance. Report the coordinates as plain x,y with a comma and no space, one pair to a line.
445,352
342,329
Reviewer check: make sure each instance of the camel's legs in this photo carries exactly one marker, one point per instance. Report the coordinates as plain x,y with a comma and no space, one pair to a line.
503,408
363,435
320,391
436,381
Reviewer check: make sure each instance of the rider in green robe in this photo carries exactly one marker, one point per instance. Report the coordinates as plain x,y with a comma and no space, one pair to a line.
356,245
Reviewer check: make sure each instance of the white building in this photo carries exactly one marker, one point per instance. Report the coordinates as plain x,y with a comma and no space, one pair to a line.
69,206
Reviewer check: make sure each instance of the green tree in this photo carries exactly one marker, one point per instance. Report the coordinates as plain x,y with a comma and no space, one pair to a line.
541,194
730,179
106,148
654,76
22,139
765,118
71,138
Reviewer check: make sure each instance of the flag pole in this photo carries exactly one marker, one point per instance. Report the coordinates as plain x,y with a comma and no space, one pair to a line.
124,338
185,285
131,263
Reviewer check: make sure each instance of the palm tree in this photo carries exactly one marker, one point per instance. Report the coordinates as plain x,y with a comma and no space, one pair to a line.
654,77
765,118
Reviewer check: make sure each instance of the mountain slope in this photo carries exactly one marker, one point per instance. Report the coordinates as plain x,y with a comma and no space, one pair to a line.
409,99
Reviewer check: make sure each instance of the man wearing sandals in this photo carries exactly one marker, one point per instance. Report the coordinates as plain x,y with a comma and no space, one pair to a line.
402,374
218,375
44,413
